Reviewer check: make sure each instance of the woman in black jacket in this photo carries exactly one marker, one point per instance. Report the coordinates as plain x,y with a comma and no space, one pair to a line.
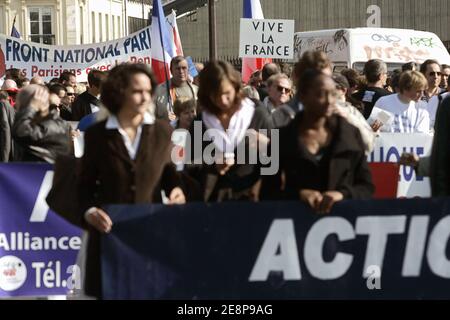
39,132
322,157
230,121
126,160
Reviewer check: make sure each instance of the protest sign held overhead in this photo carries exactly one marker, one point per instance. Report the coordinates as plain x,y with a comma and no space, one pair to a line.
267,38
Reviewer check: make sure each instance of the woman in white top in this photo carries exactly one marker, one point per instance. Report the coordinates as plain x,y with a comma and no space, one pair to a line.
408,114
226,118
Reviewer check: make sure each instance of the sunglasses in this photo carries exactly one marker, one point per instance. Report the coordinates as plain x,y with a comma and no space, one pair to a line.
435,74
70,94
280,89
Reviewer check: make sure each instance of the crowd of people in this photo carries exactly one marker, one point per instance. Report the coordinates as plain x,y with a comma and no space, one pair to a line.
326,123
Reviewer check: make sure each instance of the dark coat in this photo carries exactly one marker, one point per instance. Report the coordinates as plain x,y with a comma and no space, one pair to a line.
82,105
440,155
344,167
109,176
239,181
7,152
41,139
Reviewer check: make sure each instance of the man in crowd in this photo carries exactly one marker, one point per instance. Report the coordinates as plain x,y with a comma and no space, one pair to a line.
59,98
178,87
445,69
267,71
432,72
89,101
375,72
37,80
10,87
7,114
68,78
279,88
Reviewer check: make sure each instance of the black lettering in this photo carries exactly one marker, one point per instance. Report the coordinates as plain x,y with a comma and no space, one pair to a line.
26,54
142,38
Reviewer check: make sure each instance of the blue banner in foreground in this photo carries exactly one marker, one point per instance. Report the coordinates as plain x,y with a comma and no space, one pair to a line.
395,249
38,248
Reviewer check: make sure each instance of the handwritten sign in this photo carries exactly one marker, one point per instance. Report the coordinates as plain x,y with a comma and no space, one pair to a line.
267,38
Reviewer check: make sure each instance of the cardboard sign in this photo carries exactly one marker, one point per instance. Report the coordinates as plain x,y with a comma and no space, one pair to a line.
267,38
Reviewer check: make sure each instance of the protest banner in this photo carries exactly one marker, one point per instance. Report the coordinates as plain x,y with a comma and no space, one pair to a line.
391,249
38,248
389,148
266,38
49,62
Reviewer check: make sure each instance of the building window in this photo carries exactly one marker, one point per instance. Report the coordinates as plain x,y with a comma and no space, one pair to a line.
100,27
121,32
2,19
107,27
41,25
81,25
93,27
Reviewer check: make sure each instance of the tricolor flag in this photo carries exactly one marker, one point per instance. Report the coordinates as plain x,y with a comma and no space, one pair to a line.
175,35
162,47
14,32
252,10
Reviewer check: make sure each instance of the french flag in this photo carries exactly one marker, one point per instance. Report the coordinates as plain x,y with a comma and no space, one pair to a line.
175,34
252,10
162,44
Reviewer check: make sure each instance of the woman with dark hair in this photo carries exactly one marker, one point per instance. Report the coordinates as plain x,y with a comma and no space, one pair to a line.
226,118
127,158
322,159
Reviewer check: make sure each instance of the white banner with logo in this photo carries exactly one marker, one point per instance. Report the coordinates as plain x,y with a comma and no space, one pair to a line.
49,62
389,148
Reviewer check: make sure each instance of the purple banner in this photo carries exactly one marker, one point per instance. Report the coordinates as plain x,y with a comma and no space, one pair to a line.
38,248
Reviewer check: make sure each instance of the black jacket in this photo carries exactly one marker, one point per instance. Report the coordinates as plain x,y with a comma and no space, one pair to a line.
239,181
41,139
343,166
440,155
82,105
7,150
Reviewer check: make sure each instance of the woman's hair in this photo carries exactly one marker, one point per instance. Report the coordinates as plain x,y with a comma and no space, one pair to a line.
395,79
308,80
412,80
114,88
317,60
353,77
211,78
25,95
183,104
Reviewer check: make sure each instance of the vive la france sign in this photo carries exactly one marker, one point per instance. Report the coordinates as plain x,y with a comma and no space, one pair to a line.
266,38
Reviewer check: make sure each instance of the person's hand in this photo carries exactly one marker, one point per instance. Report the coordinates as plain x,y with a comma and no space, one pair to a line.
328,200
223,168
100,220
172,116
40,100
376,125
258,139
75,134
177,196
409,159
312,197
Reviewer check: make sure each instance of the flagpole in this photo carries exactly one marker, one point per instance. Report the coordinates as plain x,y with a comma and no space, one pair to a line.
212,30
165,64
